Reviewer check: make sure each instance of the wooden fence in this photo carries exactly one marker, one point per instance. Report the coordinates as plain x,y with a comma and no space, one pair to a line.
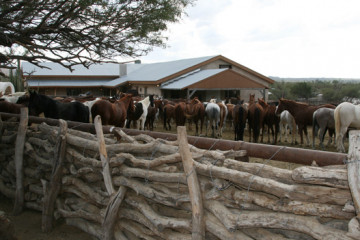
138,187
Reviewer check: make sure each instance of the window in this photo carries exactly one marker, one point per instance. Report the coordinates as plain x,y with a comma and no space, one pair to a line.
225,66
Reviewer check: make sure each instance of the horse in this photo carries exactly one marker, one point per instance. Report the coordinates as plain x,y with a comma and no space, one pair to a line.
113,113
168,114
195,111
223,116
89,104
150,118
239,116
302,113
255,118
159,106
323,119
13,97
141,111
271,120
72,111
346,115
230,108
287,121
212,112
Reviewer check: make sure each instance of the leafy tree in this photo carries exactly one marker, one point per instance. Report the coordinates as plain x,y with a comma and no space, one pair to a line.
302,90
72,32
280,90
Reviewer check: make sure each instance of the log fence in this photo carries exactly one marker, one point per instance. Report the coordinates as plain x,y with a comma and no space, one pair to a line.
116,185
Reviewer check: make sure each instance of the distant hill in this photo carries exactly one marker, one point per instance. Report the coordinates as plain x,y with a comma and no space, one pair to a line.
279,79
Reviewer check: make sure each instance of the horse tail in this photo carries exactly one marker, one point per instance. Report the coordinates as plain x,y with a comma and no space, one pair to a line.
256,124
337,118
315,127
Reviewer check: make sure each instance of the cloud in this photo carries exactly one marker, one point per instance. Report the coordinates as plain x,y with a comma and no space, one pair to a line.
298,38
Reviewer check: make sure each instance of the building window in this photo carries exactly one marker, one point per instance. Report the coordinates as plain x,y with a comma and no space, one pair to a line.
229,66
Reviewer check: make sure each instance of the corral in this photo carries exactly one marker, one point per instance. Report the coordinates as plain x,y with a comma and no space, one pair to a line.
127,185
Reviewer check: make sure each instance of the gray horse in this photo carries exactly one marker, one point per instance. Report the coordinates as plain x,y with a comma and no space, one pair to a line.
323,119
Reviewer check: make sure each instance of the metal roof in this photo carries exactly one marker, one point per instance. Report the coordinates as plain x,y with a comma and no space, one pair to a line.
135,72
55,69
66,83
190,78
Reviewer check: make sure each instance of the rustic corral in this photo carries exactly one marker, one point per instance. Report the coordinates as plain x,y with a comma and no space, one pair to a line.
142,187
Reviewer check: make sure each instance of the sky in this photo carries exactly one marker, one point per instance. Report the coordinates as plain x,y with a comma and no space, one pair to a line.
282,38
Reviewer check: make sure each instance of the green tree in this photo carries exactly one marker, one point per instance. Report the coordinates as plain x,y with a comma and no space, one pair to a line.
302,90
280,89
72,32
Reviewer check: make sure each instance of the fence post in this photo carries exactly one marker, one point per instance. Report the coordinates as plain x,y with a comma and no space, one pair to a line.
198,222
353,169
115,197
52,190
19,161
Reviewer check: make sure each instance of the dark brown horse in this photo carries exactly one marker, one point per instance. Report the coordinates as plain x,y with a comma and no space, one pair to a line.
239,116
255,118
271,120
302,113
113,113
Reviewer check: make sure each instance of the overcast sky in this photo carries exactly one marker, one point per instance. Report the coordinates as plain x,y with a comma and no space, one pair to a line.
284,38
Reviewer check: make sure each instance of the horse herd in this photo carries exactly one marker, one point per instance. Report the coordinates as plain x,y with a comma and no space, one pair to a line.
130,111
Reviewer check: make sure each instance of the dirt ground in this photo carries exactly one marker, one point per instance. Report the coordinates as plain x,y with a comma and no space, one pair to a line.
28,224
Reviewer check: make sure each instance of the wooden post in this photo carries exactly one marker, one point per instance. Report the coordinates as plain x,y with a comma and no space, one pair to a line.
115,199
353,167
53,188
19,161
198,222
1,128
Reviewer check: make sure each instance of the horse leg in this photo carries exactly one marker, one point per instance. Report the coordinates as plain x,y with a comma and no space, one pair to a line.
306,135
340,139
315,131
301,135
321,137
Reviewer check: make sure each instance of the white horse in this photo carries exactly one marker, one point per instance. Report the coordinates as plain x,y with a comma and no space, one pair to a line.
13,97
287,121
146,102
89,104
212,112
346,115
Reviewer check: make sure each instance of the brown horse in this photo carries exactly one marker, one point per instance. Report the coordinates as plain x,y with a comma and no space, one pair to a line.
239,116
255,118
169,113
271,120
113,113
230,108
195,111
223,116
302,113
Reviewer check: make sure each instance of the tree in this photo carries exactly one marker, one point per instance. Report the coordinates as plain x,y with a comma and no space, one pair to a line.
72,32
302,90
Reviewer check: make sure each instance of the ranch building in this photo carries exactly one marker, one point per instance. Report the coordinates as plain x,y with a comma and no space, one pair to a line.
204,77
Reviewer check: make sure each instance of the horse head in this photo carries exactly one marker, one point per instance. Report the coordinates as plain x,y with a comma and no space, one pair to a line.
280,108
151,98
